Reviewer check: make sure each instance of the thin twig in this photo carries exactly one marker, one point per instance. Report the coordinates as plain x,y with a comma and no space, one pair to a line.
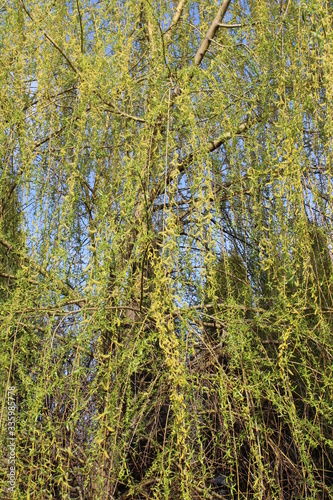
81,27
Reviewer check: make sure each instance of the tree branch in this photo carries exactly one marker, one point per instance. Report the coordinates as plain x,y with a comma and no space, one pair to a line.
210,147
230,26
78,72
175,18
12,277
66,288
211,32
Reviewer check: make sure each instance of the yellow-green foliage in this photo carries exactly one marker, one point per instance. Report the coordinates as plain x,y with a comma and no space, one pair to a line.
166,248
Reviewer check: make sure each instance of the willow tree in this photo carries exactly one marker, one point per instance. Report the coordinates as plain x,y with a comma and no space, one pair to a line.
167,313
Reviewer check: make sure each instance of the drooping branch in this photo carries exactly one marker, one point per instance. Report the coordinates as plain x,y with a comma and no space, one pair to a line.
12,277
65,287
78,72
211,32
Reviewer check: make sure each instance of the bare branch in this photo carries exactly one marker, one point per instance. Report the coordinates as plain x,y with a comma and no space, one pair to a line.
12,277
175,19
62,52
211,32
229,26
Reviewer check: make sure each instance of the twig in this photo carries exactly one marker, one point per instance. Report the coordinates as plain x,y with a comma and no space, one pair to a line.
81,27
66,288
11,277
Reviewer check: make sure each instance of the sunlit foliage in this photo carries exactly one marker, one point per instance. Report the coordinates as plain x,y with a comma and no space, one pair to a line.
166,282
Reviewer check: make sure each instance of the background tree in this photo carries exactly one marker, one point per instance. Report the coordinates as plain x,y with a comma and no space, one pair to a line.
167,313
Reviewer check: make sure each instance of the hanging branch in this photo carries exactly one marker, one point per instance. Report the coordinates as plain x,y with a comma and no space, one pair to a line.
66,288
